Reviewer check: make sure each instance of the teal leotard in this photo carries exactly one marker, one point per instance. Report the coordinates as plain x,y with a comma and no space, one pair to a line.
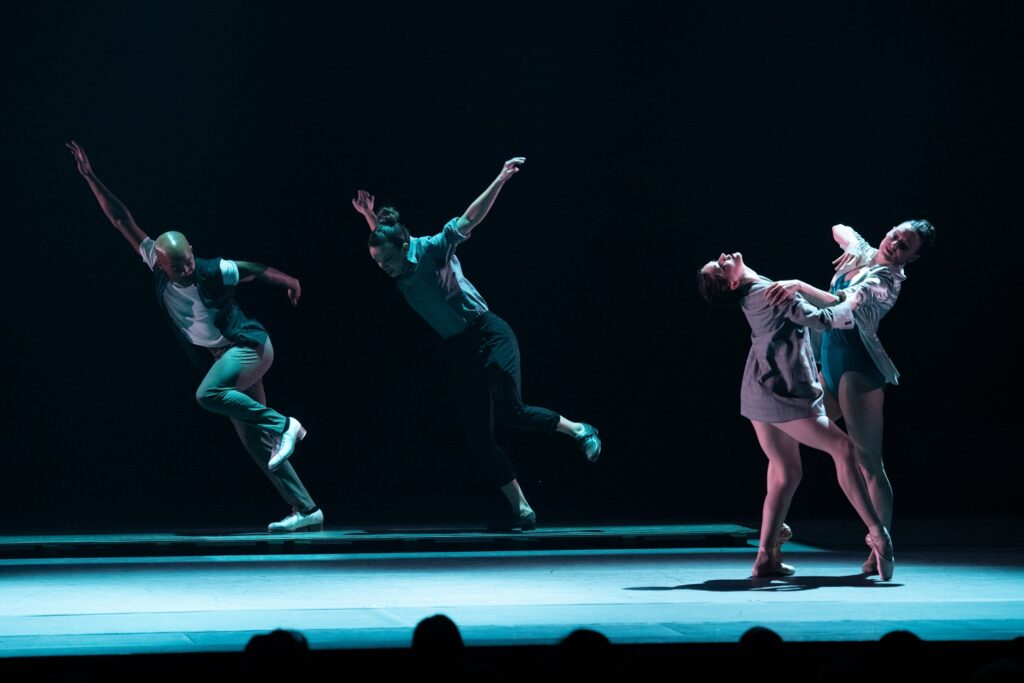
843,351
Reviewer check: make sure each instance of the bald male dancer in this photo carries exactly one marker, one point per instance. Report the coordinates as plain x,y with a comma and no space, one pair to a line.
235,351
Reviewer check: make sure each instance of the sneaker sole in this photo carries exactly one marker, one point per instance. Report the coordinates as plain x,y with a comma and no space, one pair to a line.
301,530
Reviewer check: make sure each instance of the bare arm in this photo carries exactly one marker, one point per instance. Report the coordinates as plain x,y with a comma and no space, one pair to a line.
856,251
784,290
806,311
363,203
249,272
845,236
482,204
117,213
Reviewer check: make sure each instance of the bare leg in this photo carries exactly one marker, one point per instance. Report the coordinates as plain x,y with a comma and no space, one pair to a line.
832,408
835,412
862,403
784,473
568,427
516,498
822,434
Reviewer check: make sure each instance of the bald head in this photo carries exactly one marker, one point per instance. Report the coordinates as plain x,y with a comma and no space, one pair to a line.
174,256
173,243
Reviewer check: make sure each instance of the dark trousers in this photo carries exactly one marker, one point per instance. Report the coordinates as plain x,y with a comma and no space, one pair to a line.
233,387
485,360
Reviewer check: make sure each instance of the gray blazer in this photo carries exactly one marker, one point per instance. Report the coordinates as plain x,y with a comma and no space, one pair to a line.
877,289
780,381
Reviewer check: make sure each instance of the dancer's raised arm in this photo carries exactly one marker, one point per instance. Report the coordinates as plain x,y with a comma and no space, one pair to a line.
483,348
855,248
363,203
115,210
482,204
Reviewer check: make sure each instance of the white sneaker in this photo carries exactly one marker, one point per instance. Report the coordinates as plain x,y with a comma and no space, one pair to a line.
297,521
286,443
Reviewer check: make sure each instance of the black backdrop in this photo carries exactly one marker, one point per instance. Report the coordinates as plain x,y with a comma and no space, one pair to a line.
657,135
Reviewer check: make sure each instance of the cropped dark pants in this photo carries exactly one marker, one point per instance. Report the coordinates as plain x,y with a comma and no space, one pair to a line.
485,360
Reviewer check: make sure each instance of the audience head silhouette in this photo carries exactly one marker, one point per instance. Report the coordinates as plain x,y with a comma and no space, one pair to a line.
437,634
277,643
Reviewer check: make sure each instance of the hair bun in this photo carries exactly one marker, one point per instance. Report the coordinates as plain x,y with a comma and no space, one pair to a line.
388,215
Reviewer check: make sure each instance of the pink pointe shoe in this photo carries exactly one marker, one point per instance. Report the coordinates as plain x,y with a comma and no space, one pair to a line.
870,567
785,534
770,564
881,549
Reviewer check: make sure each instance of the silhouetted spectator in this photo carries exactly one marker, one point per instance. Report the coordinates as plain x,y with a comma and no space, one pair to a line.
1017,650
761,642
273,656
587,654
436,642
437,633
900,641
277,643
901,657
761,656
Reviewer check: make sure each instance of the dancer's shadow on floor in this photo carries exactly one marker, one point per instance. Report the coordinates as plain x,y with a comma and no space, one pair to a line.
780,584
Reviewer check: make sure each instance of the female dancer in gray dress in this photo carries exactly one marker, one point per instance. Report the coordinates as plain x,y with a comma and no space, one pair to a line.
854,366
784,401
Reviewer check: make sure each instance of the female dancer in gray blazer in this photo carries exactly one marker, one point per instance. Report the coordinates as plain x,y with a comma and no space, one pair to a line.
783,400
854,366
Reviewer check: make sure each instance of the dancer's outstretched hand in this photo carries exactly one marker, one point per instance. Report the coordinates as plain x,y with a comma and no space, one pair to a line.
363,203
294,292
844,261
84,167
510,168
782,291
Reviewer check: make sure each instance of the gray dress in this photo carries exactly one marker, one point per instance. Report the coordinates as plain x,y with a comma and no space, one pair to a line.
780,382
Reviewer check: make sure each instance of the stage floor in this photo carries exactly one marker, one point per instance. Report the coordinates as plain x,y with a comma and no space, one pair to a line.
390,540
216,602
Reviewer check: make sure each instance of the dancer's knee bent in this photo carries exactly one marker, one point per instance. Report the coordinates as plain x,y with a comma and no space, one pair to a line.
870,465
210,398
845,451
786,476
